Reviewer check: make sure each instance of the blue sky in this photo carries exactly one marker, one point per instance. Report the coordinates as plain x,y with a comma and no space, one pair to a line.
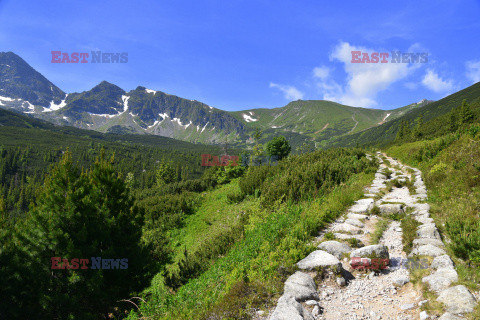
237,55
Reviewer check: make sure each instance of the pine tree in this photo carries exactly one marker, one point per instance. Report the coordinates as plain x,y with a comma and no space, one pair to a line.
166,173
80,214
466,114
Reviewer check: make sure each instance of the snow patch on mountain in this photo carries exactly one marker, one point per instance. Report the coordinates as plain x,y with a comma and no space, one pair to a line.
103,115
125,103
54,106
6,99
248,118
204,127
150,91
31,107
154,124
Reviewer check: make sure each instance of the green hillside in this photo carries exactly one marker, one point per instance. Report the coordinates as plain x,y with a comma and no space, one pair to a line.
435,112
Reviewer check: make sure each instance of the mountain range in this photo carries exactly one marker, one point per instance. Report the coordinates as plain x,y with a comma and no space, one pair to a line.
110,109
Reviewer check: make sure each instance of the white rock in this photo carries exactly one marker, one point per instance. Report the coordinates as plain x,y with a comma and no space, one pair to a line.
441,279
301,286
338,249
319,259
290,309
458,300
442,262
355,222
427,250
346,228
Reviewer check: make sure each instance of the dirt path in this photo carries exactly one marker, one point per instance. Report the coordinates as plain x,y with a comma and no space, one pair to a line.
329,285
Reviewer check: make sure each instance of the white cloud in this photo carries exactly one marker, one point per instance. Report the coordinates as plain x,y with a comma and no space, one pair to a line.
365,80
433,82
473,70
321,72
290,92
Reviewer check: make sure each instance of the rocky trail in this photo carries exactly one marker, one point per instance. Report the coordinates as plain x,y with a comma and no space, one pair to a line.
351,277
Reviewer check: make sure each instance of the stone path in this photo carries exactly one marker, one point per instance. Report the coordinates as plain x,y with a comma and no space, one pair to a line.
329,285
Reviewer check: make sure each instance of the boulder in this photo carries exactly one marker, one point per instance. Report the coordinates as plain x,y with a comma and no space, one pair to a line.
355,222
362,206
441,279
391,208
290,309
423,220
442,262
400,280
449,316
423,241
343,236
380,176
427,250
458,299
372,251
301,286
356,216
422,206
346,228
335,248
428,231
319,259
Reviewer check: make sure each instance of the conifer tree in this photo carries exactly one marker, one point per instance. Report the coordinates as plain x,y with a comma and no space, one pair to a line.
81,214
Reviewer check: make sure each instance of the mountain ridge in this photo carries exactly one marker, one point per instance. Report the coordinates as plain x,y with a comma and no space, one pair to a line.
109,108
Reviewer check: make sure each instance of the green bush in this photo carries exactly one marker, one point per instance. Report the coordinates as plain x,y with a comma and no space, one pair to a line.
464,231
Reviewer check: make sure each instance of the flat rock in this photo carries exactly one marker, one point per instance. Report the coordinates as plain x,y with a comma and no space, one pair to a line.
319,259
356,216
422,206
427,250
343,236
371,251
301,286
335,248
290,309
449,316
458,299
380,176
355,222
390,208
423,241
442,262
346,228
421,196
400,280
441,279
428,231
362,206
424,220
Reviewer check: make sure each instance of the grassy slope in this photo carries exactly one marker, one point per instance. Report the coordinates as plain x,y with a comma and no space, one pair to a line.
385,133
451,170
311,116
272,243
